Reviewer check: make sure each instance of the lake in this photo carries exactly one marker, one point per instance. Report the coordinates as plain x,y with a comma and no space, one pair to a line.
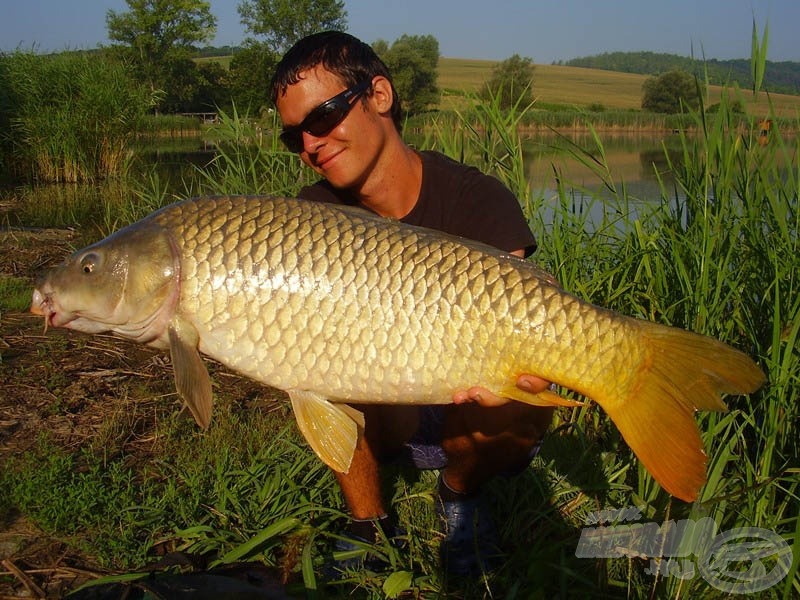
631,159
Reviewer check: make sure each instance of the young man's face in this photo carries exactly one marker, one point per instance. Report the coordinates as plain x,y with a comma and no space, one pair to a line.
345,154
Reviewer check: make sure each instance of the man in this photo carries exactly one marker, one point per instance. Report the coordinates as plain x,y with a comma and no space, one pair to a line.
341,113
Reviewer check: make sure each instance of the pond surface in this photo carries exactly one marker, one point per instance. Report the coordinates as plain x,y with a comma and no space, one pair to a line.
632,160
635,160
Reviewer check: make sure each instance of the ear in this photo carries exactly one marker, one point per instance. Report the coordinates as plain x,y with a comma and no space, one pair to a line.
382,94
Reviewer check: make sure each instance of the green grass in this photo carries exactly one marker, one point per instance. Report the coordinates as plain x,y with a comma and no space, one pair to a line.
208,494
15,293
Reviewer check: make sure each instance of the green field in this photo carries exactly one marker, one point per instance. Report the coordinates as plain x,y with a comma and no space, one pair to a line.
576,86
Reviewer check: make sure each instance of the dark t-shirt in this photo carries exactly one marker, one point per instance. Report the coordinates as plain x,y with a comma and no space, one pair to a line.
456,199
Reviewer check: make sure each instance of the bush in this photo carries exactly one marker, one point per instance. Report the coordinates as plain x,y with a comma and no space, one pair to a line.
669,92
512,82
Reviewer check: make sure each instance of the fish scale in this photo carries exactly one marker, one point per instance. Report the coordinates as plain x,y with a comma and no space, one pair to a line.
336,305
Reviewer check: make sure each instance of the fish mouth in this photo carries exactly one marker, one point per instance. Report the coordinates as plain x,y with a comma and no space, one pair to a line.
42,304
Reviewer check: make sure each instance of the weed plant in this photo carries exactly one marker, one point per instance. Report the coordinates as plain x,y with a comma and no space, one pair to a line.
69,117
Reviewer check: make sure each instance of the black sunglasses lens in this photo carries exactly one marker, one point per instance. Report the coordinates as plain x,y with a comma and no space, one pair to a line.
319,122
293,140
324,118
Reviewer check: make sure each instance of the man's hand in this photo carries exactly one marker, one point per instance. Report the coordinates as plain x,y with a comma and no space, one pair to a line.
482,396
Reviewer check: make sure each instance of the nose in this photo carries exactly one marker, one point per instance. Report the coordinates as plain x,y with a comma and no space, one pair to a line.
312,143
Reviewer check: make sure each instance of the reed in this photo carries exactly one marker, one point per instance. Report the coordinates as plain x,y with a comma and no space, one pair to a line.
251,159
170,126
72,116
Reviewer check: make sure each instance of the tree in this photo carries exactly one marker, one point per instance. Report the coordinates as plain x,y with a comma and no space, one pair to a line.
250,71
412,60
667,93
194,87
283,22
156,36
511,82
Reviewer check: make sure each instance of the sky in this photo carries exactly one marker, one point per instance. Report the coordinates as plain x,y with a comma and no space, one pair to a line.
543,30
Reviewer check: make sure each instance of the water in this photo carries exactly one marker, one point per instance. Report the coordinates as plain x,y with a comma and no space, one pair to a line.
632,160
635,160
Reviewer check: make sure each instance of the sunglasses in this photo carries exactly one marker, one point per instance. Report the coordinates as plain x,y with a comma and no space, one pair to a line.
324,117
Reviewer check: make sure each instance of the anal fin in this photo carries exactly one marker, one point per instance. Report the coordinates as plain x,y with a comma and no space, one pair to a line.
545,398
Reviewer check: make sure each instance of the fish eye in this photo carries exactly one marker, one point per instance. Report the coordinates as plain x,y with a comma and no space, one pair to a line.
89,262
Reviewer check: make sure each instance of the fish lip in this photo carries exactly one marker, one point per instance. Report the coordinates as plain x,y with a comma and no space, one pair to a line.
42,305
38,303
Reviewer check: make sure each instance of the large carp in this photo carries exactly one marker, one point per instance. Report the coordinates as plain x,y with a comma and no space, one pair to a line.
336,305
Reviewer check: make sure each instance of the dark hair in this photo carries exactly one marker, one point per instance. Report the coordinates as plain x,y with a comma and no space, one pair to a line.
340,53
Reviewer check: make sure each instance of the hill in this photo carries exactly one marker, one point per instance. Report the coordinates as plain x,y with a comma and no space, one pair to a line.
782,77
578,86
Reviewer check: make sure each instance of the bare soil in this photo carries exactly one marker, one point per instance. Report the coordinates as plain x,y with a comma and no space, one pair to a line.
78,389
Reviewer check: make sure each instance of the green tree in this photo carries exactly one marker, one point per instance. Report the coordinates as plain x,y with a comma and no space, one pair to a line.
511,82
194,87
412,60
158,36
249,74
282,22
667,93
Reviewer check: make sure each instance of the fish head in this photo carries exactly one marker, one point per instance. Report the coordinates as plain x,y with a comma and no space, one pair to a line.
128,284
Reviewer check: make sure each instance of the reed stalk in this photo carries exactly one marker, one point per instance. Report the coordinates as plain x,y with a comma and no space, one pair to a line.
72,116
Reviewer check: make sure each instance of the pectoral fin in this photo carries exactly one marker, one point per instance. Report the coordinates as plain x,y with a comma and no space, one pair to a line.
331,430
191,376
545,398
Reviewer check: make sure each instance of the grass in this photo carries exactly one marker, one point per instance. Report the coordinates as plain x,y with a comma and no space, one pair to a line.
14,293
717,254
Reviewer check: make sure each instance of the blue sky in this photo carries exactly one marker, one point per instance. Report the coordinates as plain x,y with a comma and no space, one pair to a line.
544,30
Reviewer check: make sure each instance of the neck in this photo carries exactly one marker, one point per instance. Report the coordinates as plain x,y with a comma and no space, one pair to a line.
394,188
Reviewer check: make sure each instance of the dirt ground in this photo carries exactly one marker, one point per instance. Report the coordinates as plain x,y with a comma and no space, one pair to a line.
73,387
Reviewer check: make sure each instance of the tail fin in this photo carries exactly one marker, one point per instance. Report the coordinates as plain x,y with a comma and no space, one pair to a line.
682,372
